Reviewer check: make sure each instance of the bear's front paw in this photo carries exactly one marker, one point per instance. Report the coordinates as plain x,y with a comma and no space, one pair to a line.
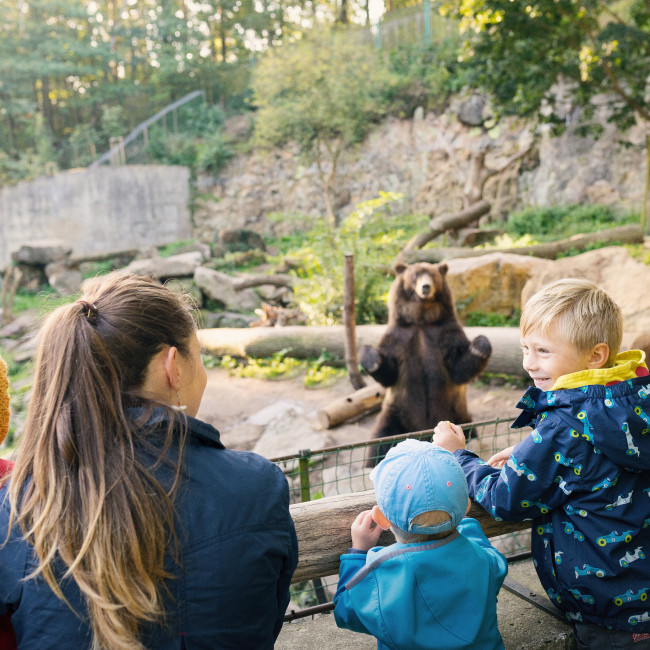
481,347
369,359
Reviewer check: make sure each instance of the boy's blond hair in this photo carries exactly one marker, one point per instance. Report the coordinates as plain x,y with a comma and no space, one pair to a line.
577,310
431,518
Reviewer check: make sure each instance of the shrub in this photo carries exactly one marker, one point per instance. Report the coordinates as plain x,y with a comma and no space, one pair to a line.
564,221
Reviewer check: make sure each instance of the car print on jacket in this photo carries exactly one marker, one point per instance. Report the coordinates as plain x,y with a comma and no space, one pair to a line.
563,485
585,598
621,500
639,618
553,595
614,536
630,595
586,426
568,462
543,508
631,447
605,483
568,529
588,570
644,391
570,510
628,558
644,416
520,469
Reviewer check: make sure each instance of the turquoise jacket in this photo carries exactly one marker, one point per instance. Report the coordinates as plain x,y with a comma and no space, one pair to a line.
440,594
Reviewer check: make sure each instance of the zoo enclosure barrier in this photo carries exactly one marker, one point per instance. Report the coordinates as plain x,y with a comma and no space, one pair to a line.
342,470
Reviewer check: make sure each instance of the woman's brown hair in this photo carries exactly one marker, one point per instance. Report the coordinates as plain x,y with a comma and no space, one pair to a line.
81,490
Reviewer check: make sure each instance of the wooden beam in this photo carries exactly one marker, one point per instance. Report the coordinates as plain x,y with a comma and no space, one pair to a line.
323,530
306,342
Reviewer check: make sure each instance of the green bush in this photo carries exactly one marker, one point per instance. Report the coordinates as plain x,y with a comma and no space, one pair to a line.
374,237
564,221
213,153
172,148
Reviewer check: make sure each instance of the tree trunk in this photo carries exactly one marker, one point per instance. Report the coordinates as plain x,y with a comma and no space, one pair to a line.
277,280
309,342
630,234
446,222
349,322
323,531
361,402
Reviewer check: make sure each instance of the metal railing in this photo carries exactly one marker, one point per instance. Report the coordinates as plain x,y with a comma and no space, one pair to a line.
313,474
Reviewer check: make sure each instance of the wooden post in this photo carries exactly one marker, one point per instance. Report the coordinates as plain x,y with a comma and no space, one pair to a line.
323,530
350,321
363,401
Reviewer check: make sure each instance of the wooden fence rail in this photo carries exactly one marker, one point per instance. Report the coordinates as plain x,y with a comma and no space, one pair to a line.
323,530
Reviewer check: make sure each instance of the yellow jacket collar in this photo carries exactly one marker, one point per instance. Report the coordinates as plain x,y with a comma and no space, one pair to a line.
624,367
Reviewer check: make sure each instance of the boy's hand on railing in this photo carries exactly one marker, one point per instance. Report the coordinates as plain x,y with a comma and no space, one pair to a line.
448,436
500,457
365,531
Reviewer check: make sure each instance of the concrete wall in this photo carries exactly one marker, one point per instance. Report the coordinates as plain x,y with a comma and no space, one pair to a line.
98,211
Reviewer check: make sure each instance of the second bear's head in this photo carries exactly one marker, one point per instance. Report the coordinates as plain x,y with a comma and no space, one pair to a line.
420,294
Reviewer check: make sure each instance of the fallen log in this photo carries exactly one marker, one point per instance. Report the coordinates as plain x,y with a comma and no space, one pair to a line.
446,222
361,402
309,342
323,530
630,234
277,280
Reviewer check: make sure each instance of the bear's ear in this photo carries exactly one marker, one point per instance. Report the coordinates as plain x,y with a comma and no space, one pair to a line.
443,268
400,267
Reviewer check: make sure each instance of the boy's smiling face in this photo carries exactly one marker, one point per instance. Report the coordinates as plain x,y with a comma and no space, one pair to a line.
548,356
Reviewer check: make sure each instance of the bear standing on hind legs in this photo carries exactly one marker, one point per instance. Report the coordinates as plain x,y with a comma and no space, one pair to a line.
424,358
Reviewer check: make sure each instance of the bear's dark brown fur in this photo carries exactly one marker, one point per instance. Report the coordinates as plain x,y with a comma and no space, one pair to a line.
424,358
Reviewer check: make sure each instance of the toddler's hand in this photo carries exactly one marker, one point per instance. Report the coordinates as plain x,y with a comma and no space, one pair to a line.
365,532
500,457
448,436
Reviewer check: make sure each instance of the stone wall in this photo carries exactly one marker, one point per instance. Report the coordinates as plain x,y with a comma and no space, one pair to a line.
427,159
98,211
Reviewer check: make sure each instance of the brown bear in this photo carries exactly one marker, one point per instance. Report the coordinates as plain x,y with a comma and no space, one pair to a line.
424,358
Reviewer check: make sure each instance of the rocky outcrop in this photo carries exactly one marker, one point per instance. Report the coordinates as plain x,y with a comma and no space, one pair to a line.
427,159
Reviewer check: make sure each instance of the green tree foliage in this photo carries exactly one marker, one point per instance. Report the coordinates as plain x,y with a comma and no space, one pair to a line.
323,94
520,50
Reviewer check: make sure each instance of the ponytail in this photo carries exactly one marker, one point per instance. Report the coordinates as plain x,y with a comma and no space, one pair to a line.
81,489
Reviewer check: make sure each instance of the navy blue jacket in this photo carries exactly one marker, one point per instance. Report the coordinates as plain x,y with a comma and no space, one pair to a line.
238,553
583,477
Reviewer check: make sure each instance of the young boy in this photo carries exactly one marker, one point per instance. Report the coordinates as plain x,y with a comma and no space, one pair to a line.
582,474
437,586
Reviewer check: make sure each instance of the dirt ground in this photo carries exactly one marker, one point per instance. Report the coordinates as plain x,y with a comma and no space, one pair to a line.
242,409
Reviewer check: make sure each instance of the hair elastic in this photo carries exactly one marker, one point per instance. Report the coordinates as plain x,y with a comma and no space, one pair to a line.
89,310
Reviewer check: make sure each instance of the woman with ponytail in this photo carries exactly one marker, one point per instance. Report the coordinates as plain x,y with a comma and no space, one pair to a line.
126,524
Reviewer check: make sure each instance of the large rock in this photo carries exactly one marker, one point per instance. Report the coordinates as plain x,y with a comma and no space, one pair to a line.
174,266
613,269
491,283
41,252
220,287
66,280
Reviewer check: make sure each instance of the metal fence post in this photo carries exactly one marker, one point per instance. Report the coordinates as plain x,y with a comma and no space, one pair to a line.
303,466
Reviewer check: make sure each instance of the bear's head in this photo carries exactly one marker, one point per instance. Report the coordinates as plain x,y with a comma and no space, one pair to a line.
420,294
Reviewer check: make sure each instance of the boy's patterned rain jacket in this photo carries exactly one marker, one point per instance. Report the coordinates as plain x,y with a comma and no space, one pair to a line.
583,477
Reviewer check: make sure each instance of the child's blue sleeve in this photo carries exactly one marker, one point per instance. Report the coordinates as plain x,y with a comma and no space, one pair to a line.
471,529
344,613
